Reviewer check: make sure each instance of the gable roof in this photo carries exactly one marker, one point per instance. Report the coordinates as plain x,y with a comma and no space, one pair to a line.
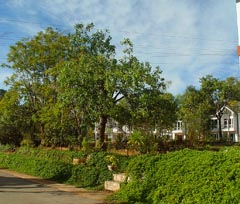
234,109
223,108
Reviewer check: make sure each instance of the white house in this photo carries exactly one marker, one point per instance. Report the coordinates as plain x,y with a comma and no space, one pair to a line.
230,124
179,132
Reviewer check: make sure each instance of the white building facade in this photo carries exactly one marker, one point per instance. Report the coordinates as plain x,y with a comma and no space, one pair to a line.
230,124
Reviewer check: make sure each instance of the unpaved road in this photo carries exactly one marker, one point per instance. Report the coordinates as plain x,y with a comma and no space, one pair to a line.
18,188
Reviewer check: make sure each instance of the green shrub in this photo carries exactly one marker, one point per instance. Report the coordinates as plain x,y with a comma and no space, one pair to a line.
112,160
143,142
57,165
84,176
185,177
93,173
51,154
7,148
27,143
53,170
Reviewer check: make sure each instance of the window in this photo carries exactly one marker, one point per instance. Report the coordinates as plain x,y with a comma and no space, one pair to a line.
230,122
225,123
179,125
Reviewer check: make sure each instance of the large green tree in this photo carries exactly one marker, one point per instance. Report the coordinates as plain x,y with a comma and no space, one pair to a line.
194,111
69,82
31,59
96,81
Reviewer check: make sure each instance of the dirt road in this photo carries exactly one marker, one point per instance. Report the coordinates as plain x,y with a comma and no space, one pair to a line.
24,189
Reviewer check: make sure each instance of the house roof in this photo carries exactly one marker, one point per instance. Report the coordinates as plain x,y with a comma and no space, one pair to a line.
235,108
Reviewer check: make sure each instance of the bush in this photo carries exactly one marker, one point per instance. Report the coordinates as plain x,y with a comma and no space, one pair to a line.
143,142
93,173
51,154
53,170
57,165
84,176
186,176
27,143
7,148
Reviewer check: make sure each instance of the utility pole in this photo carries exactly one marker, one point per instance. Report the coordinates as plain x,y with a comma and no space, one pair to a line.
238,26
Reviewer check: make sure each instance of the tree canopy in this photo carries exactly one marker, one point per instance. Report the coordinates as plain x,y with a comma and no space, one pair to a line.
69,83
198,105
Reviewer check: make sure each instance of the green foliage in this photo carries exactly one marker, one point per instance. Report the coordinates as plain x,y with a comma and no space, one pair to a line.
111,160
143,142
197,105
186,176
27,143
153,110
85,145
12,121
57,165
67,82
6,148
55,155
48,169
30,60
95,172
120,141
84,176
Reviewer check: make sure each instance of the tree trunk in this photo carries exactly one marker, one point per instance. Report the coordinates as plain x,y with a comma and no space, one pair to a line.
101,130
220,128
219,117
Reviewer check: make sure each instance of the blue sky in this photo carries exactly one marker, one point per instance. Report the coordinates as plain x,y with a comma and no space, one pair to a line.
188,39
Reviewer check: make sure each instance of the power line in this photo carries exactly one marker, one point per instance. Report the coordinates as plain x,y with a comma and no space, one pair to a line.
161,51
176,36
135,46
215,52
2,20
123,31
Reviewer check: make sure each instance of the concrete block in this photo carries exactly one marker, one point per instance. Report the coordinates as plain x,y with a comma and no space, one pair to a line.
112,185
119,177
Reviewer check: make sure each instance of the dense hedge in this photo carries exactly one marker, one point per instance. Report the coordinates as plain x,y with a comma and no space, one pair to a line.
57,165
53,170
93,173
51,154
186,177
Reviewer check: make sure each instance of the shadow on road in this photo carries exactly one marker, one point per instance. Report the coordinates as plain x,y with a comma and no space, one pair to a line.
9,184
20,188
8,181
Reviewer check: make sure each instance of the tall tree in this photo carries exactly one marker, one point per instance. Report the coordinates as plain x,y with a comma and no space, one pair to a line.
97,81
194,113
31,59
